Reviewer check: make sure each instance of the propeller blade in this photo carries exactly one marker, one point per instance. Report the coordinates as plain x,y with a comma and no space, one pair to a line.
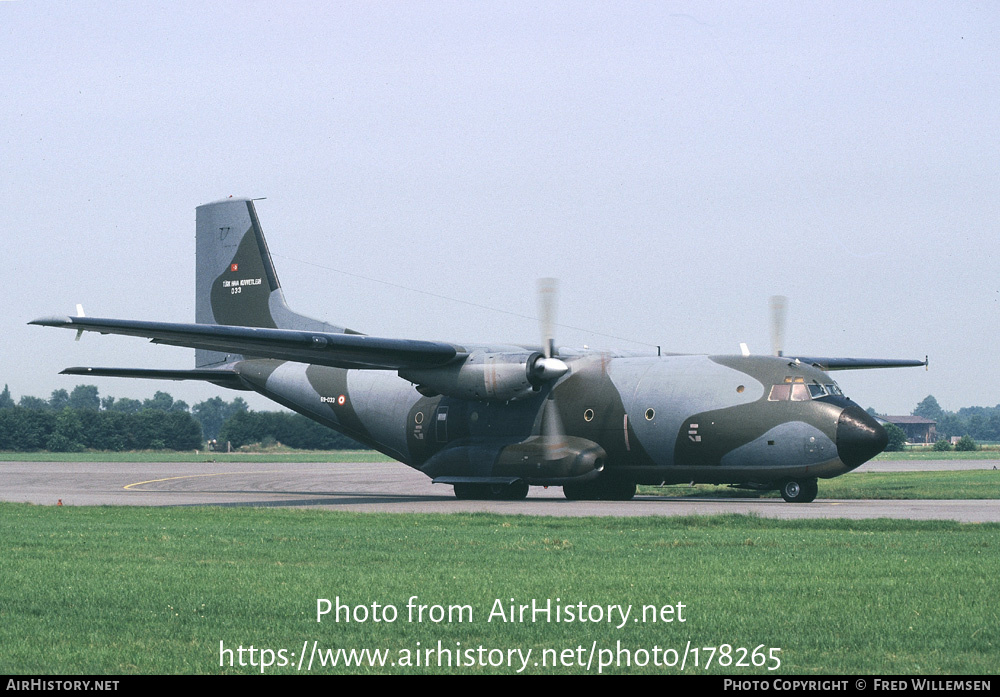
779,309
548,368
552,430
547,291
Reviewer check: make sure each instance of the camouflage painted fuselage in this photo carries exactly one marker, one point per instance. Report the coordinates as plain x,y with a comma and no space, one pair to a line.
658,419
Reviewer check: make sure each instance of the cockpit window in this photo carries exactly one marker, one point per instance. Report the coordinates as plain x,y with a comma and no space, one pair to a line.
800,393
794,389
780,393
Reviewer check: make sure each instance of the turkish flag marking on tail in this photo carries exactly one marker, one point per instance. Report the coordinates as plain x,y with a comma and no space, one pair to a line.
234,267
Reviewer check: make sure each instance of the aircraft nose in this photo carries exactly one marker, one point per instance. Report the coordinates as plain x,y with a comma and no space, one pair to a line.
859,437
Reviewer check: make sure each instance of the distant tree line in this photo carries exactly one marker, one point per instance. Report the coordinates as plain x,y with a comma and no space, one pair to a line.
968,426
82,419
979,423
74,430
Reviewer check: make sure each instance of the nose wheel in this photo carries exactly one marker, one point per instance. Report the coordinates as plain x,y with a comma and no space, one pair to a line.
799,491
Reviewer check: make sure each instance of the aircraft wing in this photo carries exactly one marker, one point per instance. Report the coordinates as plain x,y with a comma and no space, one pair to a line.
828,364
322,348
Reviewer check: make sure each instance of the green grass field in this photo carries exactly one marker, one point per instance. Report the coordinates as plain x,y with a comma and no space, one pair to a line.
989,453
139,590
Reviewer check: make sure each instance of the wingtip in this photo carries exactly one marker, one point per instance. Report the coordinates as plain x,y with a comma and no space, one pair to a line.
53,321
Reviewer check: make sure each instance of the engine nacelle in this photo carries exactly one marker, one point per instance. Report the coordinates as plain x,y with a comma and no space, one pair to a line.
575,460
498,377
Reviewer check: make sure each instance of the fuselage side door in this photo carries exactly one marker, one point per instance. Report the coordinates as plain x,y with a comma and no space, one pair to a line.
441,424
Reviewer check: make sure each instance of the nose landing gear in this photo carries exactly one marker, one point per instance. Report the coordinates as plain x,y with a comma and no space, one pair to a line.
799,491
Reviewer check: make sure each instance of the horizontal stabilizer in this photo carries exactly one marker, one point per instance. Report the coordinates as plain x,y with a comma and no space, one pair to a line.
321,348
223,378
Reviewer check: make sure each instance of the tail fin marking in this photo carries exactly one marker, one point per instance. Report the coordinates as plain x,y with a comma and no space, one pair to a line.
235,279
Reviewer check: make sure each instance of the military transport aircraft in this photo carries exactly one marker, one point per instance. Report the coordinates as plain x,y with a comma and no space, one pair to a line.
492,420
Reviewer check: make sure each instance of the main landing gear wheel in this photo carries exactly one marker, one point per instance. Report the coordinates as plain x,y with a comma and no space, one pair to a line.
516,491
619,491
795,491
492,492
470,492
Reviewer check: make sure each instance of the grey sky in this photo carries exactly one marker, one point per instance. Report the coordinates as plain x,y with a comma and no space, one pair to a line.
674,164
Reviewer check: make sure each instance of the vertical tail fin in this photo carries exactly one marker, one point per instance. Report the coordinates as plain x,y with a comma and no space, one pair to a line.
235,282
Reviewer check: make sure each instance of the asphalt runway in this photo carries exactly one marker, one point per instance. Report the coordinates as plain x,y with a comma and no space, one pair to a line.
393,487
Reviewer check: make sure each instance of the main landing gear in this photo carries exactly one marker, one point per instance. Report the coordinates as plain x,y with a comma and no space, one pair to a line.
799,491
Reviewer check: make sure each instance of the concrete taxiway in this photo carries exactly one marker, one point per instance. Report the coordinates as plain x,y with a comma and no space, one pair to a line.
393,487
